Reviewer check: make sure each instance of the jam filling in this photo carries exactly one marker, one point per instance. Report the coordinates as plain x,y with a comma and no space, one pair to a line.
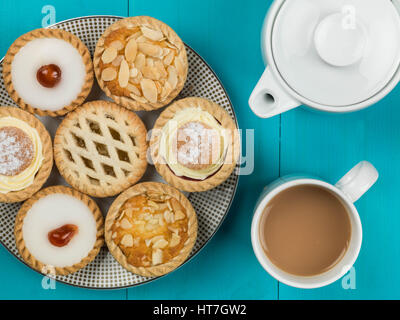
60,237
49,75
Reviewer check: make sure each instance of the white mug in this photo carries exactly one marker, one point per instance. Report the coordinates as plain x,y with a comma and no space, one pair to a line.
349,189
274,95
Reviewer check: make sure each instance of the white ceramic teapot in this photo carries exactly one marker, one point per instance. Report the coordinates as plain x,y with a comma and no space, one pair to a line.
331,55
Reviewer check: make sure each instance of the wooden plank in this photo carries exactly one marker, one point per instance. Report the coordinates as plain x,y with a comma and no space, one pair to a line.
18,17
227,36
328,146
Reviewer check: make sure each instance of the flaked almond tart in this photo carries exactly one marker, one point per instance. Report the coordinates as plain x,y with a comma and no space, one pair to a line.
151,228
141,63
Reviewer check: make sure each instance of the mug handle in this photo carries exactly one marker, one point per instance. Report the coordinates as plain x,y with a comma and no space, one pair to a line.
268,99
358,180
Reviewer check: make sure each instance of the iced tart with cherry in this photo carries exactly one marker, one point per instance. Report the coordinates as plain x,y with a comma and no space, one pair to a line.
195,144
26,156
59,230
48,72
151,228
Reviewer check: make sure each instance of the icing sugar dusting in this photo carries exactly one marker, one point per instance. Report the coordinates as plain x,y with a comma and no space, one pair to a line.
195,144
16,151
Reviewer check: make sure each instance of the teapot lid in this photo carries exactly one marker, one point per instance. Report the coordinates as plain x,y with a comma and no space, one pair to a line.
336,52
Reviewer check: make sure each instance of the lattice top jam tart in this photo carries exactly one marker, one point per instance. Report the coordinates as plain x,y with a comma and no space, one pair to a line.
48,72
26,156
141,63
100,148
59,230
151,228
195,144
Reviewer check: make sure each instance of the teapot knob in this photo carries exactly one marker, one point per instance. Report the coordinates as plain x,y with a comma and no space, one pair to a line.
340,41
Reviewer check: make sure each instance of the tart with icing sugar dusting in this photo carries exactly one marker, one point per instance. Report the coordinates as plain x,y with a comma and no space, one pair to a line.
26,156
59,230
195,144
48,72
151,228
141,63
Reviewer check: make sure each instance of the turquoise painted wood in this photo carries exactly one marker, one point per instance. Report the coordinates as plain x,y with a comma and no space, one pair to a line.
227,34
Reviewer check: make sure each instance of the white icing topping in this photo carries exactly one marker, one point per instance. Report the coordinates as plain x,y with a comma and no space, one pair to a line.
40,52
52,212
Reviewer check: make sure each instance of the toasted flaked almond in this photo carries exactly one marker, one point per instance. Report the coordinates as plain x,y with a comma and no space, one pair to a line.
175,239
161,221
149,90
131,50
173,230
175,205
108,74
127,240
133,72
156,238
172,77
141,39
140,61
136,242
114,235
169,216
147,242
169,205
165,51
151,73
149,62
157,257
150,226
152,203
160,68
117,45
109,55
169,58
166,90
123,75
146,263
179,215
138,78
133,89
138,99
159,87
179,66
125,224
160,244
117,61
155,35
170,45
150,49
153,221
136,35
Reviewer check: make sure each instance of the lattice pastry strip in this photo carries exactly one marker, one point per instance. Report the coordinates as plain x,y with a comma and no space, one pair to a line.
101,148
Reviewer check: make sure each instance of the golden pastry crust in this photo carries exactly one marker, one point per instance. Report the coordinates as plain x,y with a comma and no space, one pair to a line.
154,188
118,31
101,148
232,154
20,242
47,164
48,33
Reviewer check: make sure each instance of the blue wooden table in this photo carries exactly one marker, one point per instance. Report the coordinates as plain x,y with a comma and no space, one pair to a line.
227,33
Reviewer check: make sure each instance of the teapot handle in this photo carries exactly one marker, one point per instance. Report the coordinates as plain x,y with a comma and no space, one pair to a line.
268,99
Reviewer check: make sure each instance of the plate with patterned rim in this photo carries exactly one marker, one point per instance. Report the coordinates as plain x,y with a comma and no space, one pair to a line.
211,206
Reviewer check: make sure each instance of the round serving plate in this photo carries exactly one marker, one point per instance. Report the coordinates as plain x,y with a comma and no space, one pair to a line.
211,206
